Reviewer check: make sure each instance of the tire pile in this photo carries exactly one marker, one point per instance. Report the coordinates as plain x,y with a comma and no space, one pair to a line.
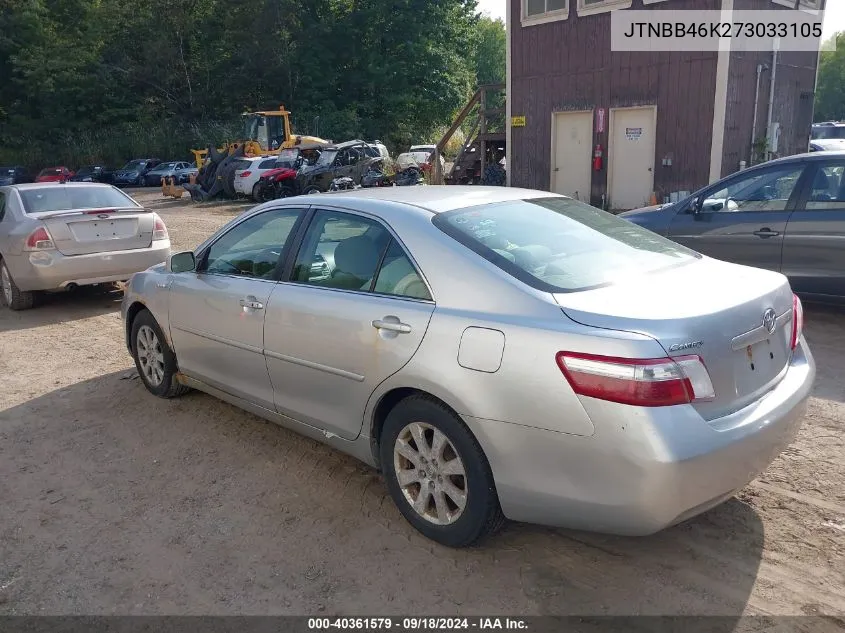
217,176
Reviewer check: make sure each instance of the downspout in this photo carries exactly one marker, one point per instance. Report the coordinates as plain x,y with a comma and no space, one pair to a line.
771,101
760,68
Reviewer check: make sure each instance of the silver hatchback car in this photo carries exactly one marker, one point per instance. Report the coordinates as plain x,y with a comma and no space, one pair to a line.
496,352
59,236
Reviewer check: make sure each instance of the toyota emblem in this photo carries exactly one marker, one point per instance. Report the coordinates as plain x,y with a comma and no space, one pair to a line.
770,320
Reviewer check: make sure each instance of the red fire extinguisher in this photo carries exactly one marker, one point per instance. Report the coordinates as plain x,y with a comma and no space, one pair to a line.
598,158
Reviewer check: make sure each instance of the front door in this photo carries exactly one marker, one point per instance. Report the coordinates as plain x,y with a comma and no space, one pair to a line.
571,153
217,313
353,314
814,246
742,219
631,150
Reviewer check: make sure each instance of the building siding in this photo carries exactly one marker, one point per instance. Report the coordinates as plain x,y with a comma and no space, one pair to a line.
793,104
568,65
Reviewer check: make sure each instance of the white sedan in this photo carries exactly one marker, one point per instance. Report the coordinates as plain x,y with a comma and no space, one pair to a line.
247,175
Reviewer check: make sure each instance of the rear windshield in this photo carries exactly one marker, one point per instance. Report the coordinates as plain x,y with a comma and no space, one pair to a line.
559,244
41,199
50,170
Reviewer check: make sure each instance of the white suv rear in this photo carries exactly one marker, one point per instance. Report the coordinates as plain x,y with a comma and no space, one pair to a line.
246,178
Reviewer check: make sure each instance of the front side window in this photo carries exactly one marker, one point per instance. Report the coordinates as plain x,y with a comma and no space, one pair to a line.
254,247
558,244
768,190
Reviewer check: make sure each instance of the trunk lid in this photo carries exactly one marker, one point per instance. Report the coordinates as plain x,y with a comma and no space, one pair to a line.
707,308
82,232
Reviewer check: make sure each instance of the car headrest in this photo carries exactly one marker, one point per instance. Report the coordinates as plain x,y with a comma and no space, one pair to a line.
357,256
821,181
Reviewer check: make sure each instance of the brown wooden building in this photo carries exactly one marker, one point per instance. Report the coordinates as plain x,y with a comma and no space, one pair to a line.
666,122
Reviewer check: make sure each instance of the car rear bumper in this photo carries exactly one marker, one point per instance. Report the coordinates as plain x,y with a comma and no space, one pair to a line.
643,469
54,271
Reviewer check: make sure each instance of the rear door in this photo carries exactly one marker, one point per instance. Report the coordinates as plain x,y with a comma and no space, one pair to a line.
217,312
814,245
743,219
354,312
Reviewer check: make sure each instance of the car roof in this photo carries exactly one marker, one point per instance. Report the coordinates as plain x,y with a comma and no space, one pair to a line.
436,198
346,144
799,158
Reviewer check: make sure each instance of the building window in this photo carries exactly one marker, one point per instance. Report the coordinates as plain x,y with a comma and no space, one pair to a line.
589,7
535,11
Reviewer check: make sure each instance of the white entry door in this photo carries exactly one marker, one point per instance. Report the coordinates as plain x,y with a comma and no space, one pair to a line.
631,156
572,145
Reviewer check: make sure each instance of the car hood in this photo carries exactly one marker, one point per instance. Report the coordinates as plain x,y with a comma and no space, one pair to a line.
642,210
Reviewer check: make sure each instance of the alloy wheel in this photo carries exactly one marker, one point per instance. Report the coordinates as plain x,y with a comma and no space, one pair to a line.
431,473
150,355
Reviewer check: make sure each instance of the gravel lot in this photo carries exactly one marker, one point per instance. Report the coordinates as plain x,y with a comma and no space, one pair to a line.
115,502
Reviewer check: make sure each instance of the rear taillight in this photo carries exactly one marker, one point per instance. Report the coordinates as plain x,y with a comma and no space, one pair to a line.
653,382
39,240
159,231
244,174
797,321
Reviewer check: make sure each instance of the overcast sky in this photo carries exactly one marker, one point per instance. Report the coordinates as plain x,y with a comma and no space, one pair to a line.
834,16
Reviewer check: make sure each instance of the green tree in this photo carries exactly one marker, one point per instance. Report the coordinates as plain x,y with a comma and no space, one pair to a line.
830,93
490,54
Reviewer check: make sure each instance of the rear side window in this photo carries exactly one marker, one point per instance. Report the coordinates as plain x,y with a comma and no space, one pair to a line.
560,244
45,199
270,163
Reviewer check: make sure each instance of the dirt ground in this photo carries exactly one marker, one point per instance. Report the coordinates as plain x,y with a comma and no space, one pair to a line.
116,502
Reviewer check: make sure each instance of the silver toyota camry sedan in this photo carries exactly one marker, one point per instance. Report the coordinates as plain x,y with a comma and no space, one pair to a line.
59,236
496,352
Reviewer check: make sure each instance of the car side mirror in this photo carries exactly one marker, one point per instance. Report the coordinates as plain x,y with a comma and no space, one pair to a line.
697,205
184,262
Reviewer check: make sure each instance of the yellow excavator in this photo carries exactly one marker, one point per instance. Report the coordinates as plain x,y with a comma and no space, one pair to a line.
264,132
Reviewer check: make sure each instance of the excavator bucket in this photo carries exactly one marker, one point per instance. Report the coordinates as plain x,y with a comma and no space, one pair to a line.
169,188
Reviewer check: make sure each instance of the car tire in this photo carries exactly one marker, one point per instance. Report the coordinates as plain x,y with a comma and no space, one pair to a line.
256,193
311,189
12,296
461,506
154,360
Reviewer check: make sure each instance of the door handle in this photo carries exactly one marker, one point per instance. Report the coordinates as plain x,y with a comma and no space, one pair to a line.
392,325
252,302
766,232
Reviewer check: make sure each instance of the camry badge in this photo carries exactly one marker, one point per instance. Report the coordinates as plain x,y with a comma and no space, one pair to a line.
770,319
677,347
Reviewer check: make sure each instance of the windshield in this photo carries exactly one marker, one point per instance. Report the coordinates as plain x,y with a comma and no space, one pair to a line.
134,164
43,199
560,244
327,157
86,171
165,167
50,170
828,131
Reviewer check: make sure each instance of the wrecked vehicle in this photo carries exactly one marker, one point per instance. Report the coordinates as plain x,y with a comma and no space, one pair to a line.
344,160
281,181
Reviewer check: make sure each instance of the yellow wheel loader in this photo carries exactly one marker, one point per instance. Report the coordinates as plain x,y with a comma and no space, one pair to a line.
265,132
